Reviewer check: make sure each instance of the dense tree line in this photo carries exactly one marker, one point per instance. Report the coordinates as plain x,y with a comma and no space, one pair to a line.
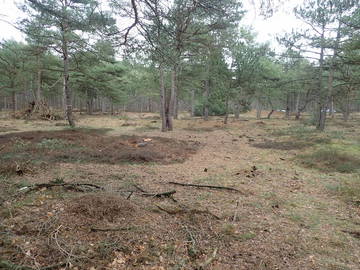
166,56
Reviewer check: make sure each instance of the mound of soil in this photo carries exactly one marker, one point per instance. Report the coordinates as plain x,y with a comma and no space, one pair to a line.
82,145
100,207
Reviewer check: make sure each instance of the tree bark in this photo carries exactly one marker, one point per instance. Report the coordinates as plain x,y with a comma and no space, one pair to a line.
67,90
14,103
321,113
226,110
206,100
39,82
287,111
237,110
258,109
174,93
330,98
206,92
346,113
270,113
192,102
162,101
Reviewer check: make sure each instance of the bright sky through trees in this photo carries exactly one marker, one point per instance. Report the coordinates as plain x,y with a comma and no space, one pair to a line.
282,21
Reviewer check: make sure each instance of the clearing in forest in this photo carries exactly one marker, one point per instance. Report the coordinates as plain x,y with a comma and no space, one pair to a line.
114,196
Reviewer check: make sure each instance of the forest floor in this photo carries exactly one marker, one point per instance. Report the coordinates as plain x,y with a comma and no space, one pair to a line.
91,197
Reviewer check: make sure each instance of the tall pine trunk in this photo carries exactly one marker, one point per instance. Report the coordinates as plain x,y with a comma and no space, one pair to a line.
67,90
321,110
162,101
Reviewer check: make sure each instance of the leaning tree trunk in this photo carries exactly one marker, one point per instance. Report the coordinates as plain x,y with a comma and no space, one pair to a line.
270,113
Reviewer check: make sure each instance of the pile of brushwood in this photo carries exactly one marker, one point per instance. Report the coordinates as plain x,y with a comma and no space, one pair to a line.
39,111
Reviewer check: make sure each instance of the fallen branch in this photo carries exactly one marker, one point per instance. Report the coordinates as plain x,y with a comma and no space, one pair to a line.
112,229
205,186
353,233
158,195
139,188
74,186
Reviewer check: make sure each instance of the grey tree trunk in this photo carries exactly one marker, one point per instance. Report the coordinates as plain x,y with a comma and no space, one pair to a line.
67,90
237,110
287,111
258,110
321,113
162,101
226,110
14,103
206,100
297,106
174,92
39,82
346,113
192,102
330,98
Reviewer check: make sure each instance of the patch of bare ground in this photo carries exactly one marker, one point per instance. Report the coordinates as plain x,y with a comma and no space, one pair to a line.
24,150
285,216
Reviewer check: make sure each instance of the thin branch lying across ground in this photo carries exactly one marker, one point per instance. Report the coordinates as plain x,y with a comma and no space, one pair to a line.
205,186
74,186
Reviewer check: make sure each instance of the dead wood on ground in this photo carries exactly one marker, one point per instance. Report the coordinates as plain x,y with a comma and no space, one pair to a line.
205,186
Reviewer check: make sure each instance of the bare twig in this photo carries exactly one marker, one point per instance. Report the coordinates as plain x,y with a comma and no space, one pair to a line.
139,188
205,186
162,194
131,193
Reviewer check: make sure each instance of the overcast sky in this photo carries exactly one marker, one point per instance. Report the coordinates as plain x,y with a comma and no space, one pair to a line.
282,21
